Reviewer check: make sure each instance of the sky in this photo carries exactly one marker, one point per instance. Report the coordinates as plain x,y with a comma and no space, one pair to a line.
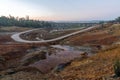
62,10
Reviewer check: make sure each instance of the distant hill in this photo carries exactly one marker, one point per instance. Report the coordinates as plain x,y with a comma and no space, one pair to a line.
93,21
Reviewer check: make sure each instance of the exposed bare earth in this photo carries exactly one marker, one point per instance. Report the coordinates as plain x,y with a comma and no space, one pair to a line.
103,36
97,67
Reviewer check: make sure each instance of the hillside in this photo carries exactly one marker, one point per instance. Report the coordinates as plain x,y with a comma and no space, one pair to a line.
98,66
106,35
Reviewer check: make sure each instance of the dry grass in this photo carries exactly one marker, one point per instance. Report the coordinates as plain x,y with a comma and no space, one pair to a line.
13,29
104,36
97,67
93,68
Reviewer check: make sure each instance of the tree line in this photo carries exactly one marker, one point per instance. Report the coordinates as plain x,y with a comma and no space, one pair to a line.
23,22
26,22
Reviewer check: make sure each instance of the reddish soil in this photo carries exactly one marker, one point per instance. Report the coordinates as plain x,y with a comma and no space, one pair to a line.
5,38
11,52
98,36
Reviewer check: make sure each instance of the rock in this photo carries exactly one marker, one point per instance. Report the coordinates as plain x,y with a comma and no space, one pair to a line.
84,55
10,71
61,66
7,72
33,57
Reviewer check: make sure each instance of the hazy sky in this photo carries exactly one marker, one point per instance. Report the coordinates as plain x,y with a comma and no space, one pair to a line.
62,9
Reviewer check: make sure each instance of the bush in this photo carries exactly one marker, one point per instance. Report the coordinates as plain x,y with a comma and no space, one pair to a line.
117,67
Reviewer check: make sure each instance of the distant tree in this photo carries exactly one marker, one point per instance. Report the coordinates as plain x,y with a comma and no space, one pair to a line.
23,22
117,19
101,23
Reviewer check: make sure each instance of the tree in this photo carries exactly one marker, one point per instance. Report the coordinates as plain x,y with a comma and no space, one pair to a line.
117,19
23,22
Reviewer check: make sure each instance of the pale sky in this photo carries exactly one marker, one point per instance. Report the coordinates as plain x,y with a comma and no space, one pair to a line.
66,10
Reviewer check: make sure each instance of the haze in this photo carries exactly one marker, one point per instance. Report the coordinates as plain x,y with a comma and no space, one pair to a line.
62,10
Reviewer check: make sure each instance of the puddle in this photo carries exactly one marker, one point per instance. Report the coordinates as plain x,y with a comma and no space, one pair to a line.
65,55
75,48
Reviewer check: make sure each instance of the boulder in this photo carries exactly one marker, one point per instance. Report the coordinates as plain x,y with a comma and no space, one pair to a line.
33,57
84,55
61,66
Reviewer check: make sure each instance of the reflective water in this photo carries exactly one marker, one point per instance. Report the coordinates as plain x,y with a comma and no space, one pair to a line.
66,54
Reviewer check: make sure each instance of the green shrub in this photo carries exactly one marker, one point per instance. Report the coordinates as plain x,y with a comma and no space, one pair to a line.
117,67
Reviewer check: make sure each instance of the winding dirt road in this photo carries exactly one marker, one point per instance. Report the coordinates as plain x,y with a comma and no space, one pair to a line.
17,37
